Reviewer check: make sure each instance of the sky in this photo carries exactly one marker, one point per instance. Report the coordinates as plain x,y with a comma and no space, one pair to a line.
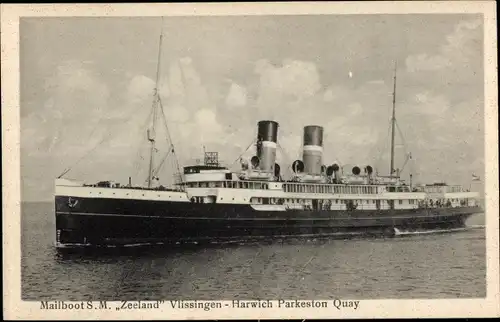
87,92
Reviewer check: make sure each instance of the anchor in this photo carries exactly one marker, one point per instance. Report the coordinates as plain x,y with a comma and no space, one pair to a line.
72,203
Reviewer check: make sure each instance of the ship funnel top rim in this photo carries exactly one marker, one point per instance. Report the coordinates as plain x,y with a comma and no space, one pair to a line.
268,121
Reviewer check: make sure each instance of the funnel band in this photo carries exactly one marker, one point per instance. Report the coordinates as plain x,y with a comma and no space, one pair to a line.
269,144
313,148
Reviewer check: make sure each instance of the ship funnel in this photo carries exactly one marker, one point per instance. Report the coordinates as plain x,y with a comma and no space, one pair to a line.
313,149
267,138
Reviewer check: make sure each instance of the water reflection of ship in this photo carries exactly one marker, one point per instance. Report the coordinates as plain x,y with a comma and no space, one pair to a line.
211,203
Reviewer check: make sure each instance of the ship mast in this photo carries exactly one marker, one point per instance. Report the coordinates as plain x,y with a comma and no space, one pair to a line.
393,122
156,99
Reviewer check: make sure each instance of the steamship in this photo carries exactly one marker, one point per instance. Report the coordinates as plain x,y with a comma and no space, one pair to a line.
213,203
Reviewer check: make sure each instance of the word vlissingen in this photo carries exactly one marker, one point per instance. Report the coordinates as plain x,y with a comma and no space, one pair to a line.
205,305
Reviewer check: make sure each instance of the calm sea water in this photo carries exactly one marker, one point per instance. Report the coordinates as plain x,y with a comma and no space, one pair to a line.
449,265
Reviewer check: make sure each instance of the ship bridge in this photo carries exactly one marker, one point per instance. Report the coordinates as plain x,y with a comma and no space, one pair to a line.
210,171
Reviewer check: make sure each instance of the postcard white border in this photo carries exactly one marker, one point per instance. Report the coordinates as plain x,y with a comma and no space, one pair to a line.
14,308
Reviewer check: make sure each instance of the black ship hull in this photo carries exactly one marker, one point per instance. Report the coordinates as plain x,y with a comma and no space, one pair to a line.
97,222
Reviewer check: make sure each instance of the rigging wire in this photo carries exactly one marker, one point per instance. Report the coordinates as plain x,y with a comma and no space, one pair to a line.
381,151
287,159
108,137
244,151
69,168
139,156
172,149
402,136
160,166
404,147
84,156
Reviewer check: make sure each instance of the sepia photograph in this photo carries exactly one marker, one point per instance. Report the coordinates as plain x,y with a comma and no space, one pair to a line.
202,163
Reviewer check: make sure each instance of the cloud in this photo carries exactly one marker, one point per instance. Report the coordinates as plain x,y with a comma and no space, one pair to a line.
376,82
237,96
140,88
424,62
328,95
294,80
75,100
432,105
461,48
175,81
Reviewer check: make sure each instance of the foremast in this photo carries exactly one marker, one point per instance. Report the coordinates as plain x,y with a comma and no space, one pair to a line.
151,131
157,110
